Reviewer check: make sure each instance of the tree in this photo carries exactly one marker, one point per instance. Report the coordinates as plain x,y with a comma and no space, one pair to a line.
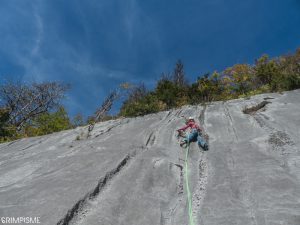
78,120
268,72
145,105
167,92
136,93
102,112
179,75
4,117
290,67
106,105
204,88
241,77
25,102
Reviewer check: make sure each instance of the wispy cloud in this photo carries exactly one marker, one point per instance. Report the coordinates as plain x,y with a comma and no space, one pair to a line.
39,31
95,45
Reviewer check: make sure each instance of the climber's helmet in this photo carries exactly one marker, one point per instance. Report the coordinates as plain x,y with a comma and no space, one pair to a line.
191,119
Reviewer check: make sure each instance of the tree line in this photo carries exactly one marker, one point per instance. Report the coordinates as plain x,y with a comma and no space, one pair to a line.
35,109
241,80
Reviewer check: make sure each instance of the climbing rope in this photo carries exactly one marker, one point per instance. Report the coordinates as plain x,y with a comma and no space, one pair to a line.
189,197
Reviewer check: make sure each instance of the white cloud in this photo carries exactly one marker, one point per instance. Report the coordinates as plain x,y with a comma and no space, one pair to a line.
40,33
131,17
46,54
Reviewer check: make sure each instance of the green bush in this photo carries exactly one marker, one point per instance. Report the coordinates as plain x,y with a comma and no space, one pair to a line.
47,123
7,131
167,92
147,104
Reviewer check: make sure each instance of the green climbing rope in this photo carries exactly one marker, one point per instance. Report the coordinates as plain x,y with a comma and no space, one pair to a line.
189,197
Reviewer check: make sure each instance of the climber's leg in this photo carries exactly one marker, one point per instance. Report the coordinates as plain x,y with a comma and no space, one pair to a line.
201,142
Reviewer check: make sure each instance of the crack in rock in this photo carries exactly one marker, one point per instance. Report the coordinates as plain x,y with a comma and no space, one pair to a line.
227,113
108,129
180,186
79,207
178,113
254,109
200,190
151,139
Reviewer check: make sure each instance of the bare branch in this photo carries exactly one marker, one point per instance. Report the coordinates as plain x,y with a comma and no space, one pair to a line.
105,108
27,101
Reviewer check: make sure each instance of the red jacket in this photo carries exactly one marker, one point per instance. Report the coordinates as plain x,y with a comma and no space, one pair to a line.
191,125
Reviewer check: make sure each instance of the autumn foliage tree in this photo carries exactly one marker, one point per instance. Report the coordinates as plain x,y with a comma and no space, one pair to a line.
241,77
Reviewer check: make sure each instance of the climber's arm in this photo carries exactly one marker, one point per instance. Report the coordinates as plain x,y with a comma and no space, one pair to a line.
183,128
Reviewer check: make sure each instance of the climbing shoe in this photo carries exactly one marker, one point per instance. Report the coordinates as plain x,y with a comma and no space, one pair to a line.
183,143
205,147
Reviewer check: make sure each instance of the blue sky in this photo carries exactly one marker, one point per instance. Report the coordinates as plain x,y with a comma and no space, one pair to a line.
95,45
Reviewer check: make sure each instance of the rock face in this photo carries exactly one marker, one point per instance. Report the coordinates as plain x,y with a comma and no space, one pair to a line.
131,171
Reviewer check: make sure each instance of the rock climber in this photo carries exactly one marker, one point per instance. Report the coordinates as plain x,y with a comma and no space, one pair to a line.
195,134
